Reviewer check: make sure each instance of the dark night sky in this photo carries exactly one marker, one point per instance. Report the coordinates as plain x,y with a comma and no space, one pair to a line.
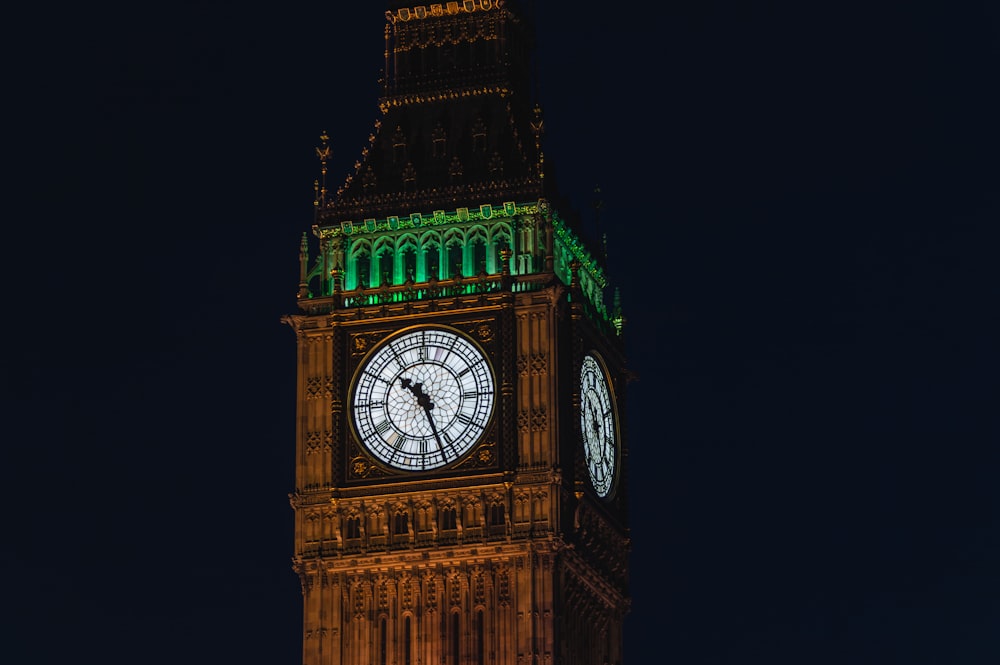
800,202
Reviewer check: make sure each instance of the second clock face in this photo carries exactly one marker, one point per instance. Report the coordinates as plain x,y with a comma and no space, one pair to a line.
597,421
422,399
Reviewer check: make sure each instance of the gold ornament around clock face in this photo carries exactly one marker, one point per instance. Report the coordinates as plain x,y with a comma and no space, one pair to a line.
422,399
599,426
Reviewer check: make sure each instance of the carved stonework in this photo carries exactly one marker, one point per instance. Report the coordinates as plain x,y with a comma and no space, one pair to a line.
361,343
383,595
485,333
319,442
503,588
406,595
483,456
318,387
535,364
430,590
455,585
361,467
479,588
359,601
533,420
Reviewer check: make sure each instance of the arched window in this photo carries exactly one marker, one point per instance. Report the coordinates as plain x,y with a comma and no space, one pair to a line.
354,527
401,524
362,269
479,255
455,263
449,519
432,262
408,263
385,268
382,267
496,514
501,240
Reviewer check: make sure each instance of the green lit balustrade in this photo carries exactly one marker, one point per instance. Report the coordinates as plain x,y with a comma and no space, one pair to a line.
409,292
433,289
458,288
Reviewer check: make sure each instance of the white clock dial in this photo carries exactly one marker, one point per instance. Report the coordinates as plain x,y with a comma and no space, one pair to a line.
422,399
597,422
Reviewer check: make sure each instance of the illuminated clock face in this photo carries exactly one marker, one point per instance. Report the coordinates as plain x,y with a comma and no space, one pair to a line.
422,399
597,421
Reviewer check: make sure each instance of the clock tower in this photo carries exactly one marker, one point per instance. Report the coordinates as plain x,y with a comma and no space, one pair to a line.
461,451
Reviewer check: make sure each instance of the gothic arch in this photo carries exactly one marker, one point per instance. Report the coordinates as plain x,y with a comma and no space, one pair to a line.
383,261
406,258
359,263
424,516
455,252
429,257
477,250
501,233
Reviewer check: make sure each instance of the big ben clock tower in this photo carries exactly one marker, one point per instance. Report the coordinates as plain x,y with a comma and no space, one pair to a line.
461,452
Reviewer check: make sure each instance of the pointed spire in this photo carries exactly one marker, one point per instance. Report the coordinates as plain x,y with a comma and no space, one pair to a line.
323,152
617,318
538,128
303,267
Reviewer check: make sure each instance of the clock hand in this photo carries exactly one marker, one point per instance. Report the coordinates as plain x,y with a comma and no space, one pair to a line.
437,437
595,423
424,400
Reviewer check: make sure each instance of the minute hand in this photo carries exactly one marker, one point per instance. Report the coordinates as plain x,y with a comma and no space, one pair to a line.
424,400
437,437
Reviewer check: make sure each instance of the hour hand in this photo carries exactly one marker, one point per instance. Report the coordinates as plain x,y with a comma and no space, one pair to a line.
595,421
423,399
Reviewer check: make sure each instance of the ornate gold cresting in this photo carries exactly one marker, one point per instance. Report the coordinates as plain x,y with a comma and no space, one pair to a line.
323,152
439,9
538,128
